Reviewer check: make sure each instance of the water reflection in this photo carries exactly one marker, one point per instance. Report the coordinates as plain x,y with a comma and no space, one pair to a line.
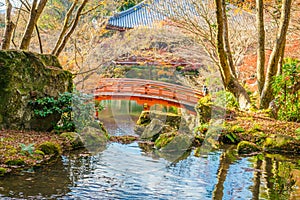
45,182
126,172
135,171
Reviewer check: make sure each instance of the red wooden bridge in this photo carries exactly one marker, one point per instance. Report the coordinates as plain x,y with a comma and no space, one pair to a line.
147,92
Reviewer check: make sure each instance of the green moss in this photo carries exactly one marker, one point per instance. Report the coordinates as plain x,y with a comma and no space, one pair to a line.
297,131
144,118
274,141
255,128
168,118
202,128
204,108
12,151
50,148
23,77
73,139
164,139
39,152
15,162
2,171
247,147
282,143
236,129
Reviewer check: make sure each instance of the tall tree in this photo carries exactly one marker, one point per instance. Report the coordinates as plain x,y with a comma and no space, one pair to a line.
35,12
9,26
221,31
69,27
225,59
277,52
261,45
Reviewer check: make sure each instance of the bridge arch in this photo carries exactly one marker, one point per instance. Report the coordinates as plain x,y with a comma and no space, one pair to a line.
147,92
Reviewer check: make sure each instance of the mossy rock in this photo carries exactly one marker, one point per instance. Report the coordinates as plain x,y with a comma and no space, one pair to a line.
170,119
15,162
73,139
180,142
281,143
204,108
144,118
164,139
2,171
245,147
152,129
50,148
93,139
26,76
177,147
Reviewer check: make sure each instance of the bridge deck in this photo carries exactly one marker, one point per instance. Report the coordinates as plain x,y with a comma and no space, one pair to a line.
147,91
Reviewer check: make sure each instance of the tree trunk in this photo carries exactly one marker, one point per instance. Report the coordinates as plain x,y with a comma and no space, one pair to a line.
229,80
261,58
9,26
239,93
267,93
226,41
65,26
71,30
225,161
35,13
281,59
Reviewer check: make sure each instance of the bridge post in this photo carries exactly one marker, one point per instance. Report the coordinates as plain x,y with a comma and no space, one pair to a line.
146,88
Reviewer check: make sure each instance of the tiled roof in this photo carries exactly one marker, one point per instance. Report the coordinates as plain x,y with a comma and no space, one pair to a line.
139,15
145,14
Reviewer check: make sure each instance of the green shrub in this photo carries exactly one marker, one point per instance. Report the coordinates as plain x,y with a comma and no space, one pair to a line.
76,109
286,91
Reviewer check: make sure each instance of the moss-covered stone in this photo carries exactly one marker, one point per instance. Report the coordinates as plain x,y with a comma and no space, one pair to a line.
204,108
167,118
169,122
2,171
25,76
144,118
164,139
174,146
245,147
180,142
281,143
94,139
152,129
50,148
73,139
15,162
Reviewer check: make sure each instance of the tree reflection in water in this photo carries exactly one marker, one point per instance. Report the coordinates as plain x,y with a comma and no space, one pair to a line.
217,175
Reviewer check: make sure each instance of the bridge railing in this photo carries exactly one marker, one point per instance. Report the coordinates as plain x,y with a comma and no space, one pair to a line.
148,88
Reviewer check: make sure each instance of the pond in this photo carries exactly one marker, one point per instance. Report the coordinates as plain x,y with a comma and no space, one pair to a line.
127,171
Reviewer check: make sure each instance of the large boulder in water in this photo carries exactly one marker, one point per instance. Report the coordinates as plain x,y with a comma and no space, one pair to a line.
152,129
26,76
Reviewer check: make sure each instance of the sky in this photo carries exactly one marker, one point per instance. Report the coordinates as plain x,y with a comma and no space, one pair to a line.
2,3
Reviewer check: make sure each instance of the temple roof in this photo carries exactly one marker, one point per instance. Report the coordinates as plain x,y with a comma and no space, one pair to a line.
139,15
146,14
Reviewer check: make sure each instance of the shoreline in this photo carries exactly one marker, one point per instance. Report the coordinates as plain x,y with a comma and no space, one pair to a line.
21,150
